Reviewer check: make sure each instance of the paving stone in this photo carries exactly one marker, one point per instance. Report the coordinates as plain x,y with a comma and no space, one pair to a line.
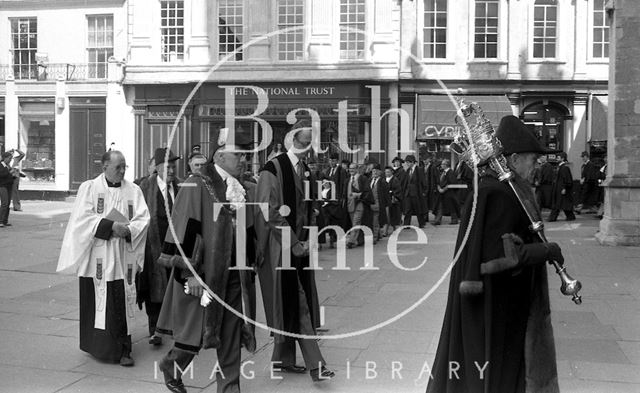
609,371
34,324
22,349
632,350
582,386
99,384
579,349
23,379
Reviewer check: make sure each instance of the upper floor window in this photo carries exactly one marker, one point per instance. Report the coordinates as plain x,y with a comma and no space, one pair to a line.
545,21
99,44
172,30
486,29
230,28
24,45
291,43
352,26
435,29
600,30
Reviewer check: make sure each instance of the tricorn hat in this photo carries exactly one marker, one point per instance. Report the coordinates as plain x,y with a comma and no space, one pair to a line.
516,137
238,140
160,156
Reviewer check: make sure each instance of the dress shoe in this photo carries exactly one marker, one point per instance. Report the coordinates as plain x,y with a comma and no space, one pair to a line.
155,340
175,386
294,369
17,210
321,374
436,223
126,361
7,224
1,225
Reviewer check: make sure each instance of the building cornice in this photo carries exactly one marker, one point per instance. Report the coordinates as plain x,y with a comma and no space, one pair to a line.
57,4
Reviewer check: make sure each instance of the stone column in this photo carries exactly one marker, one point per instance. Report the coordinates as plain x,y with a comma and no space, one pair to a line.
621,222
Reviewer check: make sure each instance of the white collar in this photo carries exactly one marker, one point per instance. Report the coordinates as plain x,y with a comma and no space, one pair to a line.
293,158
223,174
161,183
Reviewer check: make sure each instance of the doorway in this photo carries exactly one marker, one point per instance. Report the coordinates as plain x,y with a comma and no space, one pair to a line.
87,127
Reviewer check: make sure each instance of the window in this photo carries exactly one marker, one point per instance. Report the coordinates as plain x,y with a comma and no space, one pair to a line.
435,29
37,136
172,30
600,30
99,45
291,44
24,45
486,29
230,29
352,21
544,29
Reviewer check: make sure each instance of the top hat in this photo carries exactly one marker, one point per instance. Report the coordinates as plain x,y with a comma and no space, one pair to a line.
160,156
516,137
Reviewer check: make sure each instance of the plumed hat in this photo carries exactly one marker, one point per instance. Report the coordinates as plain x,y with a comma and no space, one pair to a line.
516,137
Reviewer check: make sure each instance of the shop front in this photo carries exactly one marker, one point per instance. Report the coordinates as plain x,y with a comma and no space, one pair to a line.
37,139
158,107
436,126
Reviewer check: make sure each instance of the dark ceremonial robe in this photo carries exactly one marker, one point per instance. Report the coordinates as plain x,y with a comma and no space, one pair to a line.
503,318
152,281
336,210
544,183
285,292
563,180
590,174
464,175
191,325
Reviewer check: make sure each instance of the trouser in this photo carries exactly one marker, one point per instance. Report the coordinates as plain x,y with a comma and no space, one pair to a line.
356,219
452,205
15,195
153,311
568,214
375,225
5,199
412,209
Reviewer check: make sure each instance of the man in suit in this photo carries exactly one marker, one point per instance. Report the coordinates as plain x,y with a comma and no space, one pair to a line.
359,198
379,208
414,191
6,185
544,182
160,190
395,200
447,195
290,295
562,191
335,209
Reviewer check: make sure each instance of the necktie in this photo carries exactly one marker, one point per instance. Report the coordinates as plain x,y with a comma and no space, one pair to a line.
169,198
300,169
332,172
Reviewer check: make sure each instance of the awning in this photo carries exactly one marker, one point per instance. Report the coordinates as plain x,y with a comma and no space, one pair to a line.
436,114
599,111
37,110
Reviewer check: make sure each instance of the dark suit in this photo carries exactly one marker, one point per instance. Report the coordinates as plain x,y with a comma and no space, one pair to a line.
336,209
395,201
564,202
380,192
6,184
415,188
358,206
544,183
447,200
589,176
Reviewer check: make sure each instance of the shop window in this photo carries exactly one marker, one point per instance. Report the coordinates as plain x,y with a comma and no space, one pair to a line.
545,22
100,45
352,23
600,31
24,45
435,29
230,28
486,29
37,136
172,30
547,122
291,43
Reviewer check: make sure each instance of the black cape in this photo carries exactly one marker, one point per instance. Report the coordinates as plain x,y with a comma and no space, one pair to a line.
496,318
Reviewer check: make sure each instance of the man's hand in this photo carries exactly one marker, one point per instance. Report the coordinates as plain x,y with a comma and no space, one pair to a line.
120,230
300,249
554,253
195,289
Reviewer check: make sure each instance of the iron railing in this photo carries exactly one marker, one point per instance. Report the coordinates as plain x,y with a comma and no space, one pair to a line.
55,71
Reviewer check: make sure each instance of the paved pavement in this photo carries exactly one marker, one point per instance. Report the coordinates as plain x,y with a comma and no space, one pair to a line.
598,343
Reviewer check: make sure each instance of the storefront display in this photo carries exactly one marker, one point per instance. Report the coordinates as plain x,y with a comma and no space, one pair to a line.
36,136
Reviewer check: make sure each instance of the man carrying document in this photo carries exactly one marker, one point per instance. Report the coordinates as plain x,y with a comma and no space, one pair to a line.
104,244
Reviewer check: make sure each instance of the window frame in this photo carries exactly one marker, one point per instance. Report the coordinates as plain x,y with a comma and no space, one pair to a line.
530,41
472,31
366,52
450,36
89,48
178,59
245,30
590,26
305,41
33,63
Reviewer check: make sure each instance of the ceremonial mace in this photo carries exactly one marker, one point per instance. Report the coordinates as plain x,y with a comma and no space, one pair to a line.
479,147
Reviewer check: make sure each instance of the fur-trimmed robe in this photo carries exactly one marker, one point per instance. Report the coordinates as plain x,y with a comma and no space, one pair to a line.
502,318
191,325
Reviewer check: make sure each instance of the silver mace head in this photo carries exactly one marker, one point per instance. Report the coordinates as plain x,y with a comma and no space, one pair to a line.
570,286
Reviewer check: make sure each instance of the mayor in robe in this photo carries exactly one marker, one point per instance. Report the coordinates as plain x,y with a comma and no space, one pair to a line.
104,244
290,295
497,334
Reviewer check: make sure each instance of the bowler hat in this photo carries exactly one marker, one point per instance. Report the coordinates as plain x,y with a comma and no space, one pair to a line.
516,137
160,156
334,156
